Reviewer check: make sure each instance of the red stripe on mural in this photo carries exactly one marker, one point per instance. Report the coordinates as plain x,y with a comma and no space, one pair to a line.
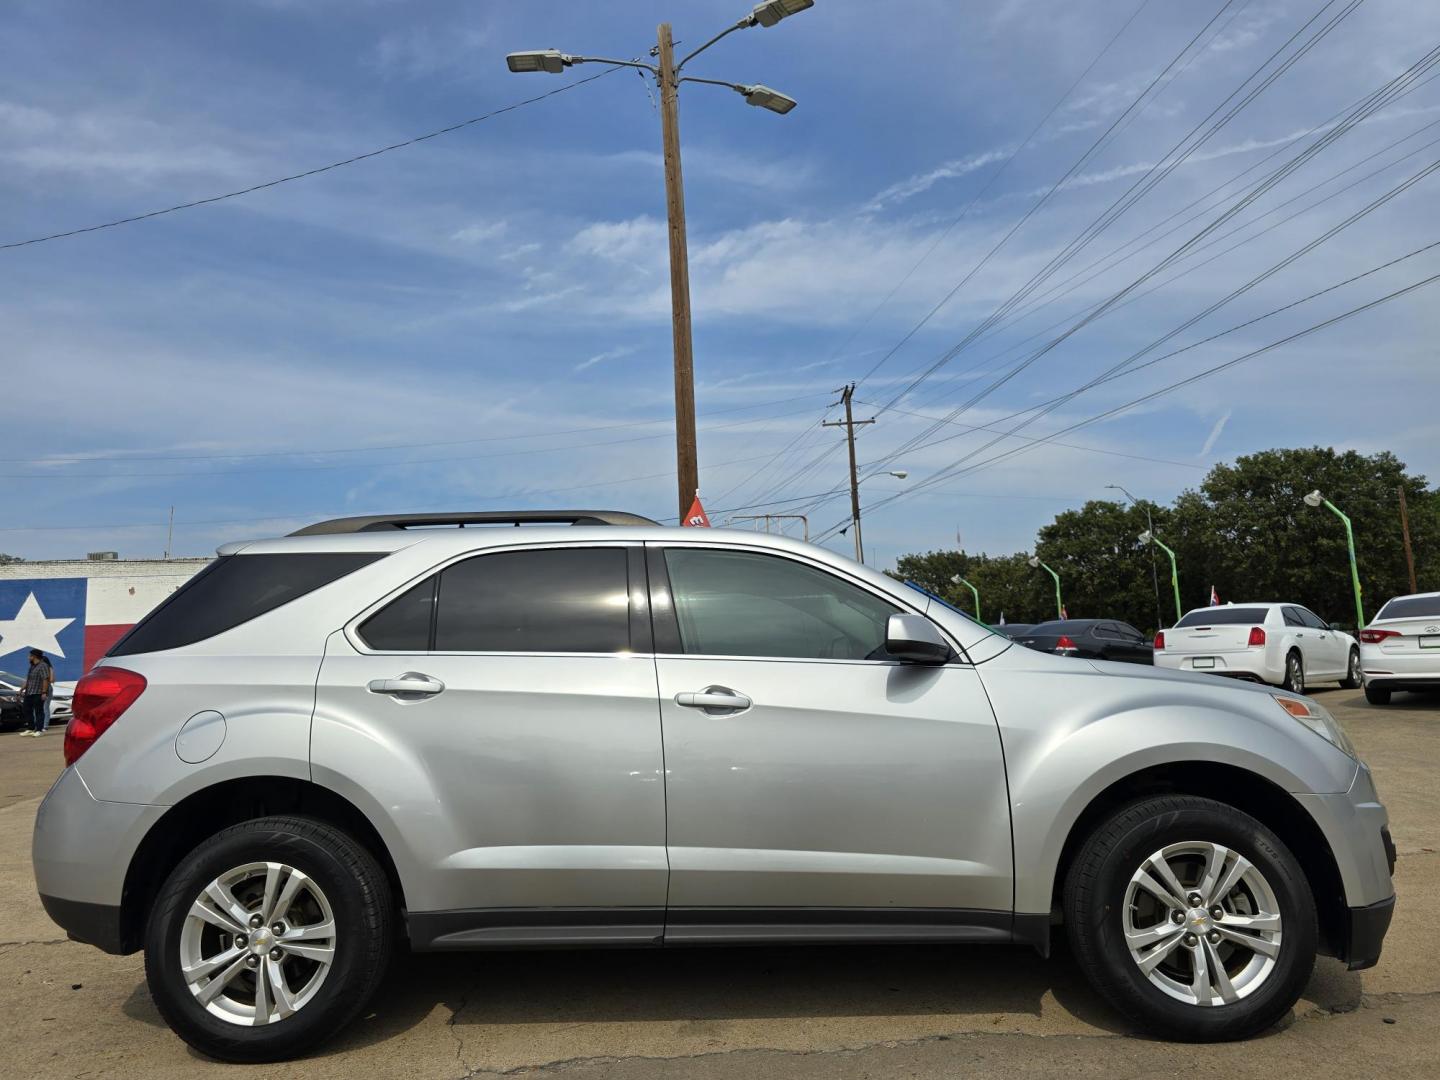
98,640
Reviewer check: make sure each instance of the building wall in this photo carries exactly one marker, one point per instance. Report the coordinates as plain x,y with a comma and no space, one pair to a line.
75,610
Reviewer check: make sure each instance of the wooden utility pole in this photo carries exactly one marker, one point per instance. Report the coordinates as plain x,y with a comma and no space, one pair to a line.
1405,532
850,424
687,466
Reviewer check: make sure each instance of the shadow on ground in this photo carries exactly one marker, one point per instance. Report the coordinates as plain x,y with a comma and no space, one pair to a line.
696,986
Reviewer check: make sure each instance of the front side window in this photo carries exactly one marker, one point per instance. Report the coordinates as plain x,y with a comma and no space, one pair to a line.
1293,617
734,603
1313,620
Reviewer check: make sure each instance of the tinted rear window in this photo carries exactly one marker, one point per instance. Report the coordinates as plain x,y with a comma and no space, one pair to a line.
232,590
1411,607
1224,616
1056,627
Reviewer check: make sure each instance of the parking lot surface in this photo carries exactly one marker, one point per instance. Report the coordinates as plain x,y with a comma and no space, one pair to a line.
69,1010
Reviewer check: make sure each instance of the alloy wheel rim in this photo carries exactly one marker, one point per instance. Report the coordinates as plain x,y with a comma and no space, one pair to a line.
1202,923
257,943
1355,667
1297,675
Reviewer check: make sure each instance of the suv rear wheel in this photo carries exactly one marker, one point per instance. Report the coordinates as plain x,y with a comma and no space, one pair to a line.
1192,917
268,938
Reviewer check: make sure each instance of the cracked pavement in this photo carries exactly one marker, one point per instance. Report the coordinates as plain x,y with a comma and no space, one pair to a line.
752,1012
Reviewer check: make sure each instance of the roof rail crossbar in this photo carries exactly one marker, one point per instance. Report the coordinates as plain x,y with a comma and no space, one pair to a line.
385,522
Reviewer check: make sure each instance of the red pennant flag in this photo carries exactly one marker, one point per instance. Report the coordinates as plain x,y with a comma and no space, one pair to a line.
696,518
1214,597
1063,613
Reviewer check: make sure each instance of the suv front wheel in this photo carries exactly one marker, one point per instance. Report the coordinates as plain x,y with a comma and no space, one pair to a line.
1192,917
268,938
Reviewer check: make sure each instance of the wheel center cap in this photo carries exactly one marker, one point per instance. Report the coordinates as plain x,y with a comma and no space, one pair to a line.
262,940
1198,920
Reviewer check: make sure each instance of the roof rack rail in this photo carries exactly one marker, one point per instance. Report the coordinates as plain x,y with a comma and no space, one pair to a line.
386,522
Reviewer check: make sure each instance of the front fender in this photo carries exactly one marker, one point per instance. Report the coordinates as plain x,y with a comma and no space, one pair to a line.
1071,730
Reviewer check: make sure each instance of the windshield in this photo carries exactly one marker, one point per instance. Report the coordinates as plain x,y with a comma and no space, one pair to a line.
1411,607
1223,616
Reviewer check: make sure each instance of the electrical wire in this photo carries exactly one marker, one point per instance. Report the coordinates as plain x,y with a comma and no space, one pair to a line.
309,172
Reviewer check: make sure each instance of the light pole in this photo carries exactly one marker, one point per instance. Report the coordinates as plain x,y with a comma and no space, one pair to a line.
1316,499
1059,603
1150,528
667,76
1148,537
958,580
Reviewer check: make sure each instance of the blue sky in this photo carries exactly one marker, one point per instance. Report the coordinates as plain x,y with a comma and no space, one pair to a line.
482,321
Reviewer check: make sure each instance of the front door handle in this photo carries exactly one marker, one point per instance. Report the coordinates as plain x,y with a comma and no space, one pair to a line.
411,682
716,698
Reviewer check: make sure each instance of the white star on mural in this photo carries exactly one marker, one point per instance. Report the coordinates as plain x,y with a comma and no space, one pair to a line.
30,628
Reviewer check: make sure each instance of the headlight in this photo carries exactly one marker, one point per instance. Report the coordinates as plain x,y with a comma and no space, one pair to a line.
1318,719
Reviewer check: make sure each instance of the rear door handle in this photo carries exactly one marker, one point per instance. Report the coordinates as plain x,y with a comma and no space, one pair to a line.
720,698
411,682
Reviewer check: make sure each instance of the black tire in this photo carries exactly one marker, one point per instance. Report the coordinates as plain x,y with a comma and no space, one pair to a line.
1352,672
1377,695
364,916
1294,680
1094,903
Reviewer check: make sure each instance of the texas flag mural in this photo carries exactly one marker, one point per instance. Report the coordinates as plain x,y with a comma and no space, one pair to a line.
73,621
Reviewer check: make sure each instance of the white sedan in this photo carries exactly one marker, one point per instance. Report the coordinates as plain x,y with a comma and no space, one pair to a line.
1400,649
1280,644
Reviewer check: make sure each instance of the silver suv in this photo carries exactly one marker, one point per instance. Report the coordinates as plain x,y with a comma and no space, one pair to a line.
371,735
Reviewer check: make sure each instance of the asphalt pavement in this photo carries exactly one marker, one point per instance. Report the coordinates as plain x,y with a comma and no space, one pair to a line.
68,1010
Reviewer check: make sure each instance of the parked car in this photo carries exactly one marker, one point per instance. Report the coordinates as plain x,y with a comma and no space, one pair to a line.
10,709
1090,639
1283,645
1400,649
368,733
1013,630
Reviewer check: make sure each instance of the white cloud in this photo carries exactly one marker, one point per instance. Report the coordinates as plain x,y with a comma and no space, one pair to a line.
609,354
479,232
1214,436
921,182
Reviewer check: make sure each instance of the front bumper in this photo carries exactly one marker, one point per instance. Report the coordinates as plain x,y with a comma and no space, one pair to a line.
1366,927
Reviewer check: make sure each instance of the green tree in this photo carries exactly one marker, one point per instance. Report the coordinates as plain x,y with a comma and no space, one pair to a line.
1104,569
1006,583
1259,541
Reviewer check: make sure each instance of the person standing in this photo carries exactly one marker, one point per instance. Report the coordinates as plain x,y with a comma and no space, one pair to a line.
39,681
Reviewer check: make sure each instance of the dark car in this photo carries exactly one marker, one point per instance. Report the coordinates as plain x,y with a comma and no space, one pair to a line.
10,714
1013,630
1093,639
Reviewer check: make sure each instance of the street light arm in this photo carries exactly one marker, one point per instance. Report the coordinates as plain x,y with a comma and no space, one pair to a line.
739,88
745,23
617,63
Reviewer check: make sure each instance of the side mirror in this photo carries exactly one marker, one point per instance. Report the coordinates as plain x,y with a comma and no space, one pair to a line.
914,639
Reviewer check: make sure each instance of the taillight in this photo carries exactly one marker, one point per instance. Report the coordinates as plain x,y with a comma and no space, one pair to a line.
1374,637
1064,644
100,698
1160,639
1257,636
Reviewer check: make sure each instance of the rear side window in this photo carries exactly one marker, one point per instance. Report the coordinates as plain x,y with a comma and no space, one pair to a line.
1224,616
1411,607
550,600
232,590
1293,616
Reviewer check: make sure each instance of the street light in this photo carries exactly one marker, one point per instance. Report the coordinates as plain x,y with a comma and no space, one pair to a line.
899,474
1316,499
1148,537
1034,561
1150,528
667,75
958,580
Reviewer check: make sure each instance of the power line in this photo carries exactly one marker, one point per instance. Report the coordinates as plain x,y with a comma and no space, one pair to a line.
1376,100
954,470
954,467
310,172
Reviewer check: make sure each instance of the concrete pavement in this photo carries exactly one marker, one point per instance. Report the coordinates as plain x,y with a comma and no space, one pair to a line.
833,1012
